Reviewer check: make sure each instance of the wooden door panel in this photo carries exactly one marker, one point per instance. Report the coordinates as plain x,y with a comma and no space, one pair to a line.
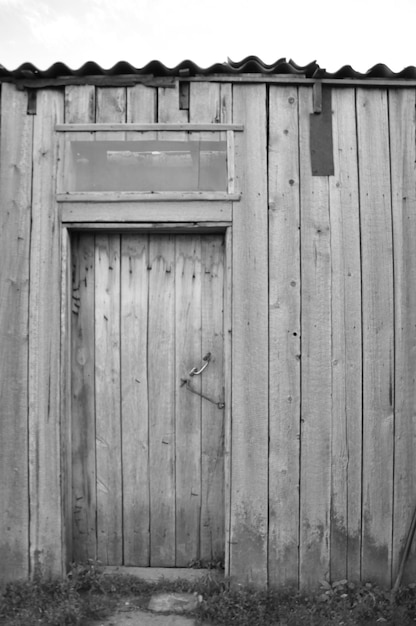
134,399
107,399
84,504
162,389
148,469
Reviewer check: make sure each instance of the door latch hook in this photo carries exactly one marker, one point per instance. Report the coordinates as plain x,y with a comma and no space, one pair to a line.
196,372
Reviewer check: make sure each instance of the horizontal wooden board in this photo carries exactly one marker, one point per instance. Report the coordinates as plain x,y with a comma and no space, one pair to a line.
154,212
155,196
88,128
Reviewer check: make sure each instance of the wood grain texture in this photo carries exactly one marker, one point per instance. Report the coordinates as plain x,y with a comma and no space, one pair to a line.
346,343
249,508
403,177
155,212
46,540
107,405
227,394
168,108
84,497
206,106
315,460
134,398
284,337
188,354
65,400
162,389
80,107
15,184
111,106
378,347
212,384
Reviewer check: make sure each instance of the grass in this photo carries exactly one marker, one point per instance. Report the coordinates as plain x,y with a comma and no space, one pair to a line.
87,593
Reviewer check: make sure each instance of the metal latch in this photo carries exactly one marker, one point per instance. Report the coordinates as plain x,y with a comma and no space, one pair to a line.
197,372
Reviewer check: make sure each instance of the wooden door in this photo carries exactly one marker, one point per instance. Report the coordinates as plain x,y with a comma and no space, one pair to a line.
147,453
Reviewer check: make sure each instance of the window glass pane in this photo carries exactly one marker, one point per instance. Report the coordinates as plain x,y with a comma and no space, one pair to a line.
151,165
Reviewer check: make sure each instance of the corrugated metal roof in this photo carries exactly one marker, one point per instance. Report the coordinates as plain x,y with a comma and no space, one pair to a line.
249,65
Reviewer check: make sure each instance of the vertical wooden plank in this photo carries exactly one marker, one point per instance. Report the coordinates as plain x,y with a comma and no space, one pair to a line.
65,408
46,540
107,390
284,340
162,388
169,112
205,103
80,108
168,108
134,399
188,354
141,105
378,348
16,134
111,106
212,385
227,394
249,504
84,497
205,107
403,177
346,343
315,471
79,104
226,113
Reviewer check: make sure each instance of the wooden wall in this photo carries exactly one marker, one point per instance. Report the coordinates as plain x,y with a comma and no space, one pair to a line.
323,435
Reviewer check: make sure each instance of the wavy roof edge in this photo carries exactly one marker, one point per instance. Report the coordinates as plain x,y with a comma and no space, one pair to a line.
249,65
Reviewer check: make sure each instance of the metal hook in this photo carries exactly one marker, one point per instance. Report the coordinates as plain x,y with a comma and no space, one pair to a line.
195,372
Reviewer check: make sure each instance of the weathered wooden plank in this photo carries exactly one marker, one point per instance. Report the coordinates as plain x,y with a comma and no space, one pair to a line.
249,505
153,196
141,107
227,395
83,505
188,354
160,227
65,408
154,212
168,108
15,184
46,540
403,177
134,399
227,117
80,107
111,105
346,343
378,348
147,95
315,483
107,392
212,385
162,386
284,338
205,106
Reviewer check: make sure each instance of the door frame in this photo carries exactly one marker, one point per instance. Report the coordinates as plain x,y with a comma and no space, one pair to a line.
202,227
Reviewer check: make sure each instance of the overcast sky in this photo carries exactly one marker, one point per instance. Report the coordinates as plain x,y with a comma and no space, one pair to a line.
360,33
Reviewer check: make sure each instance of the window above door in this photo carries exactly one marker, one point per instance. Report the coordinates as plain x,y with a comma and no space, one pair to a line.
146,161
